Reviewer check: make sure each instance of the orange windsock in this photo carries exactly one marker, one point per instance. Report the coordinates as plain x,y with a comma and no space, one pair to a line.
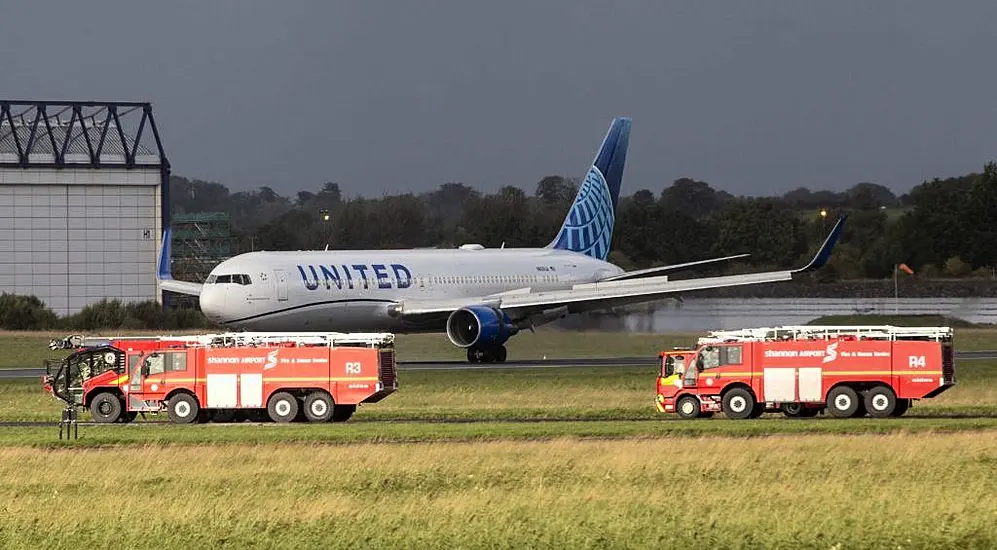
905,269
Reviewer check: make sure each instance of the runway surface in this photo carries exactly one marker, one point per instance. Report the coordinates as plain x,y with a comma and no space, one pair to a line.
620,362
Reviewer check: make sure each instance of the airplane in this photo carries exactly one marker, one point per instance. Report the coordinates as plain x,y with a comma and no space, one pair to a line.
480,297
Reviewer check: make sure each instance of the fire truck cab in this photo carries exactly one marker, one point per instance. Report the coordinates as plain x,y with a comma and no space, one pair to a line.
802,370
261,376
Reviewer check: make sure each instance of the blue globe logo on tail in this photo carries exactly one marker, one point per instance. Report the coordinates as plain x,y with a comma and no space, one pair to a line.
588,227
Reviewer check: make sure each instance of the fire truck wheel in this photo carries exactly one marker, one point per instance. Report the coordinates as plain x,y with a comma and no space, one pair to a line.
738,403
880,401
106,408
843,402
128,416
182,408
283,407
901,408
318,407
688,407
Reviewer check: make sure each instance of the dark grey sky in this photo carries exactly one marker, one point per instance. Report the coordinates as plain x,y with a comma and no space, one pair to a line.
384,95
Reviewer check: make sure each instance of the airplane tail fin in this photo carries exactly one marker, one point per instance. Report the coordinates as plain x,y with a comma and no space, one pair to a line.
163,269
588,227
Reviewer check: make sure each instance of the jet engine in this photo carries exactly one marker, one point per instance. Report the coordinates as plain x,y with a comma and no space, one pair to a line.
479,326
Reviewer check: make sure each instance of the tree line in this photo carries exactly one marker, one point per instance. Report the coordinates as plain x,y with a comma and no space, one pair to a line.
943,227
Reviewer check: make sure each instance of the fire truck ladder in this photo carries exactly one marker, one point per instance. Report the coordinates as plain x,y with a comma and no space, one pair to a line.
239,339
815,332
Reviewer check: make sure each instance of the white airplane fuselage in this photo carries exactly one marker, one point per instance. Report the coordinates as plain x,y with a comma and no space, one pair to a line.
354,290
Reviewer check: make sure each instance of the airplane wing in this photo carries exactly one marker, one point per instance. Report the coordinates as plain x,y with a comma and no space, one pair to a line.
674,268
166,281
523,304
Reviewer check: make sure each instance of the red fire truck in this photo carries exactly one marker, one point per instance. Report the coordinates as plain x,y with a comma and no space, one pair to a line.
263,375
801,370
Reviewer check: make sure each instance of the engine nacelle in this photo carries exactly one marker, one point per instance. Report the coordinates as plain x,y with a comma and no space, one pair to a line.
479,326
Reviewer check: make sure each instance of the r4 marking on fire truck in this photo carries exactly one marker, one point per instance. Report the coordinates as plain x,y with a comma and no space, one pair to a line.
916,362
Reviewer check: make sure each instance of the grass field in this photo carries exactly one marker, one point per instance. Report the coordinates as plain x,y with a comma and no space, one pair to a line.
873,491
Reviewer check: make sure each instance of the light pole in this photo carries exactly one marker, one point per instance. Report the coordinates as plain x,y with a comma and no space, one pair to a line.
325,226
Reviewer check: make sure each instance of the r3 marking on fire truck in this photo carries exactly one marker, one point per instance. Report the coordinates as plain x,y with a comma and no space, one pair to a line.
803,370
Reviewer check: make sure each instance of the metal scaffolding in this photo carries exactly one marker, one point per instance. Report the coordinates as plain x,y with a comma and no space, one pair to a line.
200,241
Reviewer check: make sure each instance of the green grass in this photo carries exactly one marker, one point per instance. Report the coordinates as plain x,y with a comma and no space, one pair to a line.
899,320
873,491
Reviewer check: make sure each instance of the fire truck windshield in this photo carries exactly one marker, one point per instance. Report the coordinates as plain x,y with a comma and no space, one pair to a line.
674,364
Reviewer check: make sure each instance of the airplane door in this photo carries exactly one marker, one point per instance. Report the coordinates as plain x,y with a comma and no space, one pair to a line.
281,276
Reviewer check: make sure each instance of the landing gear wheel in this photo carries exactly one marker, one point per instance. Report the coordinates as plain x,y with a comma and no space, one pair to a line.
106,408
688,407
182,408
880,401
739,404
283,407
342,413
500,354
901,408
475,355
793,410
318,407
843,402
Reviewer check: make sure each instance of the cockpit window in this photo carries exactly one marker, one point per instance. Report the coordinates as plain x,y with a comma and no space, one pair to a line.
240,279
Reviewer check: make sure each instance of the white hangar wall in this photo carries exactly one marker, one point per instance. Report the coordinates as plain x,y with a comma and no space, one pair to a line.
75,236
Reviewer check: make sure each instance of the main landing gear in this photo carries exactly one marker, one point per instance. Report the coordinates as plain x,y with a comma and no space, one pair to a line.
494,354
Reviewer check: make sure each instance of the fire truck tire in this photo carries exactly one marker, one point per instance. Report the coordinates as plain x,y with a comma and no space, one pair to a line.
688,407
843,402
106,408
901,408
342,413
128,416
283,407
318,407
880,401
182,408
738,403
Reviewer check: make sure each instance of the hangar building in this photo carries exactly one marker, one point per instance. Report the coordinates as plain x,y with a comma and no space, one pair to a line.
83,201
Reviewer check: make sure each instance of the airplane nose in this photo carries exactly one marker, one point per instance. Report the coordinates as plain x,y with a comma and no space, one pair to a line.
212,302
